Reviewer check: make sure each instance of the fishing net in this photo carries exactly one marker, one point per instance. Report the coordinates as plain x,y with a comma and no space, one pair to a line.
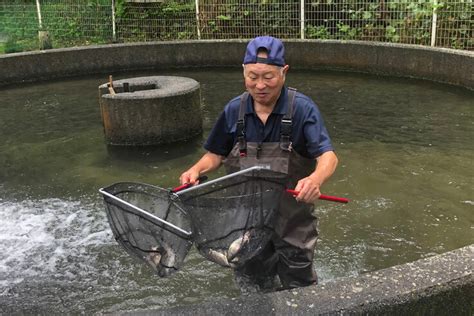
148,224
233,217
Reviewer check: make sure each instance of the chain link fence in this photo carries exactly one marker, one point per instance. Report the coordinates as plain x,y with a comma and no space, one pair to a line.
448,23
223,19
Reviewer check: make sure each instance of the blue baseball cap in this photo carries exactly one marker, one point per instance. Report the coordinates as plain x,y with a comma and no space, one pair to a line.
274,47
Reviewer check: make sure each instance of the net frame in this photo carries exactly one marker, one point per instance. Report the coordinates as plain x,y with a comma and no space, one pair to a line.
149,216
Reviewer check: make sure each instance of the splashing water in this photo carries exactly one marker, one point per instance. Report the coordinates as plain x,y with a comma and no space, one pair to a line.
59,255
41,237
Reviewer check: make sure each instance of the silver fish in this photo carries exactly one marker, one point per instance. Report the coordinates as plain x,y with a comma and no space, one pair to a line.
154,257
218,257
162,258
236,246
169,257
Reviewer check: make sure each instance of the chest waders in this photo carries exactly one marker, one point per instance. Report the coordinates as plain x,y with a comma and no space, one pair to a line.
290,253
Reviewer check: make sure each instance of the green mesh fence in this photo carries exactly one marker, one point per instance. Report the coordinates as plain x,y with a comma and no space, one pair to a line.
448,23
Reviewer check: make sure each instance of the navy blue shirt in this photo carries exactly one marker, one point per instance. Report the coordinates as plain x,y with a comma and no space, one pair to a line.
309,136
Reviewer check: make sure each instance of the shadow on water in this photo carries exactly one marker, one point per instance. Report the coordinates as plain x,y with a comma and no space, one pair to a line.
406,163
157,154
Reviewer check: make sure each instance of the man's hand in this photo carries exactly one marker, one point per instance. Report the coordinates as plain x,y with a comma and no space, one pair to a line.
309,187
308,190
207,163
189,176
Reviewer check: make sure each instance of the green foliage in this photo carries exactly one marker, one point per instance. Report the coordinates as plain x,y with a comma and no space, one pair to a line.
457,17
19,21
391,34
246,19
401,21
90,21
172,20
12,46
346,32
367,15
119,8
79,25
319,32
224,17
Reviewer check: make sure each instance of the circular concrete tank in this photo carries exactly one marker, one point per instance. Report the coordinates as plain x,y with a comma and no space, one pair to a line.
441,284
150,110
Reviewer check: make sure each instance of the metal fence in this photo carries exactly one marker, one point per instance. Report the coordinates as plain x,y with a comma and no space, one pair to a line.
448,23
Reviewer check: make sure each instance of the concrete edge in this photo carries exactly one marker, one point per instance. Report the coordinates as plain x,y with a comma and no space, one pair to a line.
164,86
444,65
438,285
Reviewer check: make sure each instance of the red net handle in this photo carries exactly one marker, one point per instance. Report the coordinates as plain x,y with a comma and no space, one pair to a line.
187,185
322,197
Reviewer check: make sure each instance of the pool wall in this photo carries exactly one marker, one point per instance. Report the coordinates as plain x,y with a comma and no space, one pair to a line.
438,285
449,66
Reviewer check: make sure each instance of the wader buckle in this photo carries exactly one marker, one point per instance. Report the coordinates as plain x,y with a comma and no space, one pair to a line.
285,144
241,138
285,132
259,149
242,147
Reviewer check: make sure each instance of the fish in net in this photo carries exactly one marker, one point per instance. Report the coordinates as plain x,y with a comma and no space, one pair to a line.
233,217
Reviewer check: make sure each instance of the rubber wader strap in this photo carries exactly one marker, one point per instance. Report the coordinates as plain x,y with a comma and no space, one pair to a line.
286,122
240,131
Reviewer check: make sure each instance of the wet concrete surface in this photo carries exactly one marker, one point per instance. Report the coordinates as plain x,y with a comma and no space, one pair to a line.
437,285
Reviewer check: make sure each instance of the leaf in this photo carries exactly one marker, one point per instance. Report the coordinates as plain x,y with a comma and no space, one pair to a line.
223,17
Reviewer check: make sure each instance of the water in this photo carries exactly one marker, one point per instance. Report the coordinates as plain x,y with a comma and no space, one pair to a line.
406,162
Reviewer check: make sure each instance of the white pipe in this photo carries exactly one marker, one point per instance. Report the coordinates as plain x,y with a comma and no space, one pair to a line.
114,35
197,20
433,23
302,21
38,10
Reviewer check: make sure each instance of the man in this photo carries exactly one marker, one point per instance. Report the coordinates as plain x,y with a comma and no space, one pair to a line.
276,125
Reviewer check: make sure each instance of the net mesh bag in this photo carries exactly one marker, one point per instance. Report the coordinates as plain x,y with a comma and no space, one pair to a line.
148,224
233,217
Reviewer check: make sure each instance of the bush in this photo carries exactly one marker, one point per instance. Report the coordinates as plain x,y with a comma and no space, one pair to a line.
85,22
12,46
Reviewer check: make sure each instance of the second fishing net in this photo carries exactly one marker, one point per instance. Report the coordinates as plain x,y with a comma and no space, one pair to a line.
233,217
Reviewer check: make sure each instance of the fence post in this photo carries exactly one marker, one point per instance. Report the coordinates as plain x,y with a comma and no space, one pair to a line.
44,39
114,34
38,11
197,20
302,20
434,23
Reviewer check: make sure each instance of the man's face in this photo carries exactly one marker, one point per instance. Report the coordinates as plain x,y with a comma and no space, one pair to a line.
264,82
